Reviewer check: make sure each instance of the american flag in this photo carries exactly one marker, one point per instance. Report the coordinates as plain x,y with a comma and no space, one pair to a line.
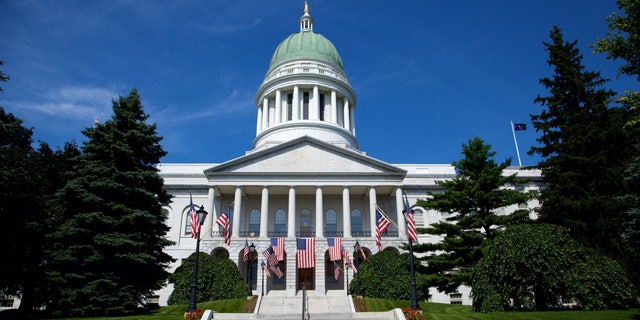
382,223
359,248
336,271
412,234
335,246
245,252
265,269
193,219
278,246
347,260
224,220
306,252
270,256
276,270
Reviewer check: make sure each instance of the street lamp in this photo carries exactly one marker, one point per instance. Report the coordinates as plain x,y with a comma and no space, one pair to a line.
356,246
252,250
202,214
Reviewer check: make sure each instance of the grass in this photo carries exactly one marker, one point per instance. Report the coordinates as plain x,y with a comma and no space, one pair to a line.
437,311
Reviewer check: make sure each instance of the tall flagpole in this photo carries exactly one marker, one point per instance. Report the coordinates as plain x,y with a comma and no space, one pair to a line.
513,130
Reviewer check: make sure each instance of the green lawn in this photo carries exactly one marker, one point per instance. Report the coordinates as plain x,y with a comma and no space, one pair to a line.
437,311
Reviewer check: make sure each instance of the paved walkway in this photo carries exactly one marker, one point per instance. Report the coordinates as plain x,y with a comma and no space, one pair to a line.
276,302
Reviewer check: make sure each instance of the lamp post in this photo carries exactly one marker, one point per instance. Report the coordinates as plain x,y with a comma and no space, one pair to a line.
355,261
262,287
346,273
202,214
252,249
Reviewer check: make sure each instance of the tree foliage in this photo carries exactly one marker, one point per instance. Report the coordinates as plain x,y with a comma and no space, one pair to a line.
534,266
472,200
107,253
584,150
385,275
218,279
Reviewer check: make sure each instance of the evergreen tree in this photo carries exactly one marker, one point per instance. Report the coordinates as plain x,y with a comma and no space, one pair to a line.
472,200
107,254
584,150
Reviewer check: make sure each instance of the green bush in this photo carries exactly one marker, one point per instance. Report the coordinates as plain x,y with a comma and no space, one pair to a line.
218,279
599,283
385,275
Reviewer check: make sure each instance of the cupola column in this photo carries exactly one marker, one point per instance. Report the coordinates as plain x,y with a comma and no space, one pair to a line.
278,115
259,122
353,121
265,113
334,107
347,119
316,104
296,104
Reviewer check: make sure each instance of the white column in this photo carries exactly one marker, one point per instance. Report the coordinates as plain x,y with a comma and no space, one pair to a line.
319,213
208,221
295,104
345,110
237,205
372,210
278,115
265,113
264,212
316,104
346,212
291,215
402,228
334,107
353,120
259,122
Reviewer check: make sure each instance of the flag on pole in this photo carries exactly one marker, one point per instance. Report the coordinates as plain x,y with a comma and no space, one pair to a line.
335,246
382,223
276,270
193,219
224,220
347,260
412,234
270,255
278,247
359,248
265,269
306,252
519,126
336,271
245,252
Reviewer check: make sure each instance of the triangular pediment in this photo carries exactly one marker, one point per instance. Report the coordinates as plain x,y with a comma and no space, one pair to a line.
306,156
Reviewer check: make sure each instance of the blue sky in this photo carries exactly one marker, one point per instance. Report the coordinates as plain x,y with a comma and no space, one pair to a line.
429,75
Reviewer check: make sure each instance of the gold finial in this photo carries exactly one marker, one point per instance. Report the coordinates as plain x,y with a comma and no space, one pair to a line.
306,8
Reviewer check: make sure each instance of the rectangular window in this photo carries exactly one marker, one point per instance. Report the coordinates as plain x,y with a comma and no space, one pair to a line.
305,105
6,302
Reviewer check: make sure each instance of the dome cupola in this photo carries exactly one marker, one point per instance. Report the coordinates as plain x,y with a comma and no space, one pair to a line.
305,92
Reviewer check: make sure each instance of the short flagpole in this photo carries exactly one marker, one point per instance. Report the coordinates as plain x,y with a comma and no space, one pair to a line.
513,130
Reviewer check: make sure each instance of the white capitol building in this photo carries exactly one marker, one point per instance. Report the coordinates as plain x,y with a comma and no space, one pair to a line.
304,177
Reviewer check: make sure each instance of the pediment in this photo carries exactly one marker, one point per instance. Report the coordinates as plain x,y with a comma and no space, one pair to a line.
305,156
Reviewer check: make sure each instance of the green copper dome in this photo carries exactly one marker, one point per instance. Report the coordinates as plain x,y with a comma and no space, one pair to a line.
306,44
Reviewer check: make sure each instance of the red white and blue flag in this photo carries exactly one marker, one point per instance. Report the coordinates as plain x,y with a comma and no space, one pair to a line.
270,255
193,219
382,223
278,247
306,252
347,260
359,248
336,271
265,269
224,220
335,249
277,271
412,234
245,252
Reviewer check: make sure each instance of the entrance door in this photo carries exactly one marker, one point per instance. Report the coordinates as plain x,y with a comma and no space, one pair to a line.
306,276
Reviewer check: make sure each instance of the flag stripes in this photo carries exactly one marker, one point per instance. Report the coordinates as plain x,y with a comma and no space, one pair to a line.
335,248
278,247
412,234
382,223
193,219
224,220
306,252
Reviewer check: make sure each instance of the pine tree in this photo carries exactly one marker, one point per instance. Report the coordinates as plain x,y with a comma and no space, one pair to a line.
107,254
472,200
584,150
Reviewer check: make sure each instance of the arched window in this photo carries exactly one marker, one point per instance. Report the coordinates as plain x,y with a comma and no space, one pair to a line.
418,216
331,222
254,221
187,222
305,223
281,221
356,222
